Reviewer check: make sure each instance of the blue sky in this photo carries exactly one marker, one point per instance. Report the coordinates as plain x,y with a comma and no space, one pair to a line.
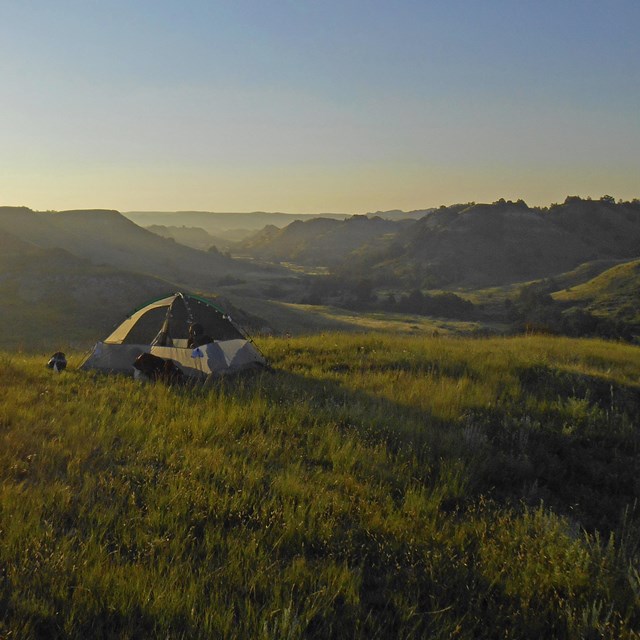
316,106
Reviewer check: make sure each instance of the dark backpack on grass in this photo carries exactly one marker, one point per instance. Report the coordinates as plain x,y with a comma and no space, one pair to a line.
156,368
57,362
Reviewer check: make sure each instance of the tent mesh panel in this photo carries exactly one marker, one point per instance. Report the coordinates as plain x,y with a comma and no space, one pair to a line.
213,322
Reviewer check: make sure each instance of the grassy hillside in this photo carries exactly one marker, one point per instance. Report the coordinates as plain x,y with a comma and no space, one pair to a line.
52,299
304,319
505,242
108,238
473,245
318,241
370,488
614,293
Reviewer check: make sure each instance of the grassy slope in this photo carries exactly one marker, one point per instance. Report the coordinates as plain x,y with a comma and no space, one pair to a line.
319,241
569,280
581,286
612,293
107,237
371,487
300,319
52,299
460,246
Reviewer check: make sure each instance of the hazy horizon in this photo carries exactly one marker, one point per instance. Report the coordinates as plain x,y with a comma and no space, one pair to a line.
298,213
346,107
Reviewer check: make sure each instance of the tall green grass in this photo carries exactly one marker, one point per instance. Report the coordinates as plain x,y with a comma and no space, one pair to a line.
372,487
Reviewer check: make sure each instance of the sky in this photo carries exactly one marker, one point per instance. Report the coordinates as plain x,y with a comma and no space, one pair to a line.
316,105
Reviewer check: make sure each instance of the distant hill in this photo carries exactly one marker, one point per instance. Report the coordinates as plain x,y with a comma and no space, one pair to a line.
507,242
69,277
52,299
472,245
11,245
319,241
611,229
397,214
109,238
242,225
217,223
194,237
65,269
482,244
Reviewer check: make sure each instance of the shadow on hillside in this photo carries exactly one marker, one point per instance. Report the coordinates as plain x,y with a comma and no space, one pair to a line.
546,383
571,441
294,320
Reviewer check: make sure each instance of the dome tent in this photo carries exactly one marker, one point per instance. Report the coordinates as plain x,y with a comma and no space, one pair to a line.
162,327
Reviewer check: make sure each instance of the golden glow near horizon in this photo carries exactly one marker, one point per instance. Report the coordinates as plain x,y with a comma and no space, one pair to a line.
312,108
360,191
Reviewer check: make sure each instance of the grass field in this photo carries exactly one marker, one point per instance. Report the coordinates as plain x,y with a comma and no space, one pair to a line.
301,319
371,487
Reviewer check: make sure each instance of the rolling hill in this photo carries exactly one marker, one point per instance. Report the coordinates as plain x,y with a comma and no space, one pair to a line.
318,242
52,299
217,223
474,245
108,238
53,263
67,278
504,242
237,226
615,293
194,237
480,245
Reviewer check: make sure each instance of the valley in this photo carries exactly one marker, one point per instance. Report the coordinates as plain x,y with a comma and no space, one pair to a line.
460,270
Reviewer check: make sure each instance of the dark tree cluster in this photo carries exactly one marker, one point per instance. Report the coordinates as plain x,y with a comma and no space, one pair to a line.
359,294
354,293
445,305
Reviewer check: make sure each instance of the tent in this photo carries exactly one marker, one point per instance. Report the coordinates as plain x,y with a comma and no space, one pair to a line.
162,328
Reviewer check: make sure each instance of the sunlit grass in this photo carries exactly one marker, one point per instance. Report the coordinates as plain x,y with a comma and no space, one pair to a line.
609,280
371,487
305,319
404,324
